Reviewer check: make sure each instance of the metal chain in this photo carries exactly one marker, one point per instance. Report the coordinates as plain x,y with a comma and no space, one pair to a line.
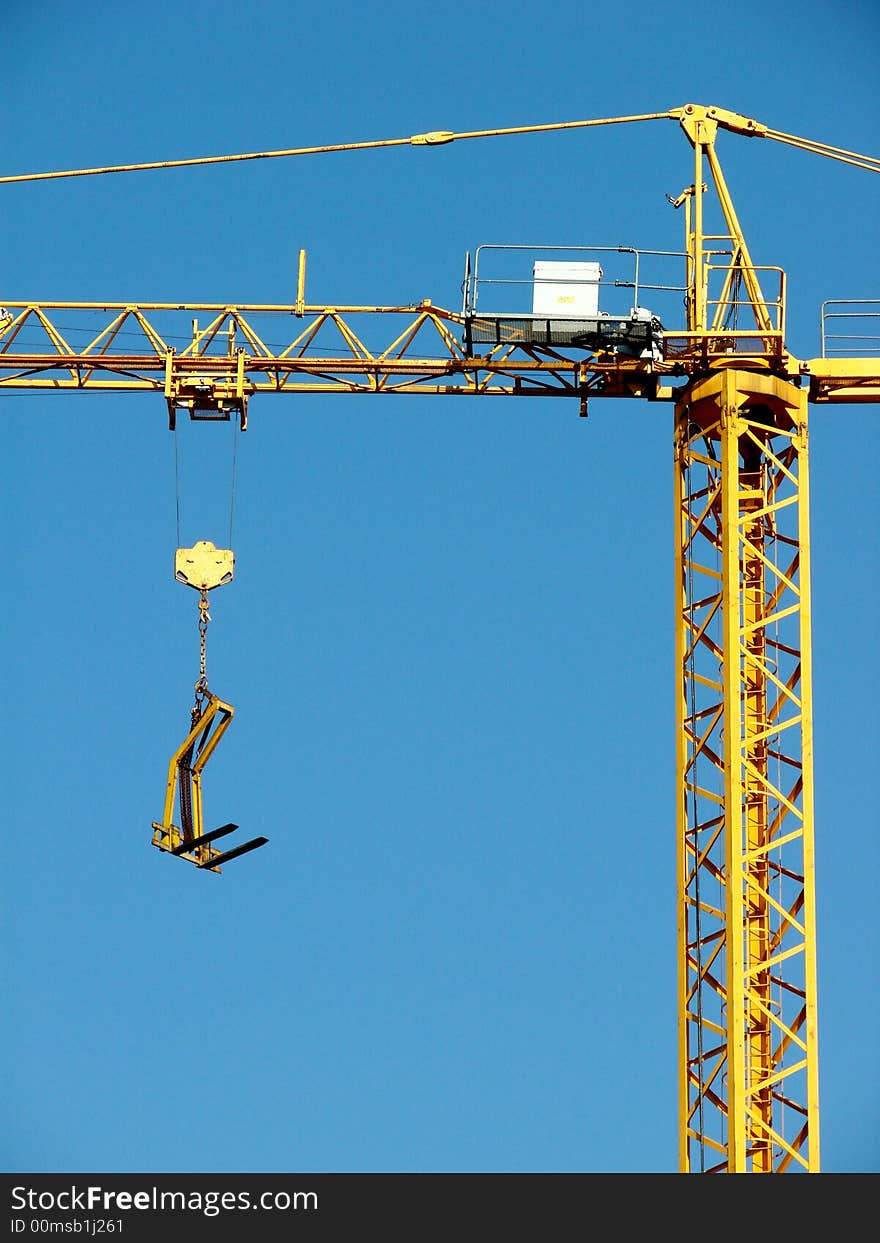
202,683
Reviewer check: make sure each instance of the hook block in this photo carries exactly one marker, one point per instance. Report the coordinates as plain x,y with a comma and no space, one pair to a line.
203,566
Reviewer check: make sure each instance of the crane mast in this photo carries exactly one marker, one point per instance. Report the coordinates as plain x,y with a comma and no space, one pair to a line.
748,1081
747,1028
748,1055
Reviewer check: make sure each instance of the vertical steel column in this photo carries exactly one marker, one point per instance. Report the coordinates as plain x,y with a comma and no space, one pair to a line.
748,1059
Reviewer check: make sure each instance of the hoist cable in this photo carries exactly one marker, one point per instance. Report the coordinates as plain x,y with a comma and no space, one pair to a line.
176,485
777,742
232,488
698,929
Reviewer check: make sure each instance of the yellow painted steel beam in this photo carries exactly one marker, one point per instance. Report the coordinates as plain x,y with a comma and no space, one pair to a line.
712,337
433,138
240,350
700,126
851,380
748,1068
689,116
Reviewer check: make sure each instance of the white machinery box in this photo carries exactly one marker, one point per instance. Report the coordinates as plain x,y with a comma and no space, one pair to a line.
566,289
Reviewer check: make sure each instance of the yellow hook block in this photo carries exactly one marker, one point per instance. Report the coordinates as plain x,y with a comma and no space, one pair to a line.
203,566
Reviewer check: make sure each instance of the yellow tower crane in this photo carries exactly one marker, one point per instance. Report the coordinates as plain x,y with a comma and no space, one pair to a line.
747,1050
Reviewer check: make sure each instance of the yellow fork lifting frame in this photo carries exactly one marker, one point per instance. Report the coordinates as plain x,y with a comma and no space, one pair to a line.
202,567
190,841
187,842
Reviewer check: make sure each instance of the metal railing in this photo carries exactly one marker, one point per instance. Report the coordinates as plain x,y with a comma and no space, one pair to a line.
631,276
853,332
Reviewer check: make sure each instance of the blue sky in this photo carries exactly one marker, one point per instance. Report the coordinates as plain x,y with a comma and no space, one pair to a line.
449,640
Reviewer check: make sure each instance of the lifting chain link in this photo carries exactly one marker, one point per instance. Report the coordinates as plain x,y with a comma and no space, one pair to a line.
201,686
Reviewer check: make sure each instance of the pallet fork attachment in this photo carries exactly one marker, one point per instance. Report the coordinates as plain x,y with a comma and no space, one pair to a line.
184,786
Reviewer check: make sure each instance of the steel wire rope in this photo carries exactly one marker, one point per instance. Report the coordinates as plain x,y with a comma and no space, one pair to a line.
176,486
235,431
70,329
694,811
201,685
345,347
723,877
713,476
776,740
232,486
